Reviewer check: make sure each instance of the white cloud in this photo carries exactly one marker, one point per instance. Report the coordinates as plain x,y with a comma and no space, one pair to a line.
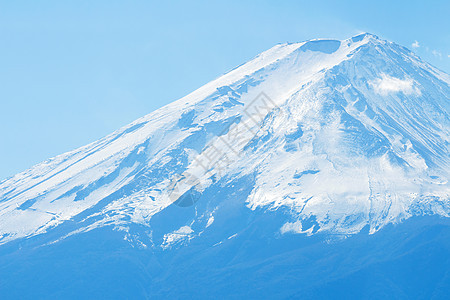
388,85
437,53
415,45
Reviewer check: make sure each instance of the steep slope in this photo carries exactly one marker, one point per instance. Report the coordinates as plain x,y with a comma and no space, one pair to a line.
334,135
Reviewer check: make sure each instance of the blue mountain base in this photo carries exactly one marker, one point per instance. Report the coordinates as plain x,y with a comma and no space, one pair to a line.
404,261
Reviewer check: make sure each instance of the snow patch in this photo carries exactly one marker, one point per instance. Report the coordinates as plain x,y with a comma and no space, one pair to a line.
180,235
295,227
210,221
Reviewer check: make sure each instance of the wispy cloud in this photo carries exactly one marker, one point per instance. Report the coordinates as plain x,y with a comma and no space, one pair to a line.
436,53
388,84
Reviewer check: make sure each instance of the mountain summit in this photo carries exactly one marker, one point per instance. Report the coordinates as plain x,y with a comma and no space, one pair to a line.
317,168
338,135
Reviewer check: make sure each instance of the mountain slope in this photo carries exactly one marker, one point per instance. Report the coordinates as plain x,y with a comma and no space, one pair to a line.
336,135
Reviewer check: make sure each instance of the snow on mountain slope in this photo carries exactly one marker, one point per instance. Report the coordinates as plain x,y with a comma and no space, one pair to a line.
342,134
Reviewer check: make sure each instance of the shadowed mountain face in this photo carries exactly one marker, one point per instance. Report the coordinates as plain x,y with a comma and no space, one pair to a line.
317,167
405,261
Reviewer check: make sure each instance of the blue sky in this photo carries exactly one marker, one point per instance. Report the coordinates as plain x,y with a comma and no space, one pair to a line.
74,71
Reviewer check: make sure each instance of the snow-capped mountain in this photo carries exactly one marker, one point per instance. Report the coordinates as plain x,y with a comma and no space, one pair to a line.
336,135
317,168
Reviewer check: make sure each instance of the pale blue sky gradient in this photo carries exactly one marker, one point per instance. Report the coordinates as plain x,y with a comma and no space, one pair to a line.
74,71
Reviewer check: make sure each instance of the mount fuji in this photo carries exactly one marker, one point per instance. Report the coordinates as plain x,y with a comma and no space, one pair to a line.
317,168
